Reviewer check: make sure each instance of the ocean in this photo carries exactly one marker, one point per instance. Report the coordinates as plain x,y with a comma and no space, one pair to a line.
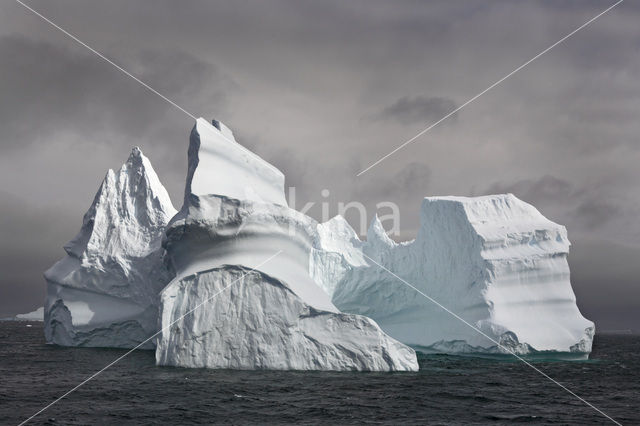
446,390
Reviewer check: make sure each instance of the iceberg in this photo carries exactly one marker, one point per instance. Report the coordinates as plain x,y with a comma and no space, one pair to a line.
105,292
495,261
37,315
237,279
242,296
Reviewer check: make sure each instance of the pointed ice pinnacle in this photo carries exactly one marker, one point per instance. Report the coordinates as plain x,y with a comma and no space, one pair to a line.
105,292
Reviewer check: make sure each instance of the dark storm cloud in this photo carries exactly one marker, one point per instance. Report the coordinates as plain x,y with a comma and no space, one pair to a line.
30,244
50,89
584,207
419,109
595,212
605,280
57,87
413,178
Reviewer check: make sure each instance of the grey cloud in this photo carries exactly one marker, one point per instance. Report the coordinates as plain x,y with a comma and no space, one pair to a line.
545,189
410,181
197,85
595,211
605,281
32,241
419,109
585,207
58,87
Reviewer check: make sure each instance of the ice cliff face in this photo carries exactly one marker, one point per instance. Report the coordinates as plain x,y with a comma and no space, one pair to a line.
105,292
494,260
254,321
253,324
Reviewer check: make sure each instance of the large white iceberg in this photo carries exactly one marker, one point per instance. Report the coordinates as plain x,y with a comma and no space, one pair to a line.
273,315
105,292
237,279
495,261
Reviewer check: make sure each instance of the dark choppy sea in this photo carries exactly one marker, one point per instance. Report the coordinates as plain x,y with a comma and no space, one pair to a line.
447,390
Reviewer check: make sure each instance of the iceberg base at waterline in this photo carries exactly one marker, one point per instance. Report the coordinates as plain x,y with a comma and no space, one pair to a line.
250,320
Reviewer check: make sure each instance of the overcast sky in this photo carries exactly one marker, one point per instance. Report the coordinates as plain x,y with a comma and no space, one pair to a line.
322,89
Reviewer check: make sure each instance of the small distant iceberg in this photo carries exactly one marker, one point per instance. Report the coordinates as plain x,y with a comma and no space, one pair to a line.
37,315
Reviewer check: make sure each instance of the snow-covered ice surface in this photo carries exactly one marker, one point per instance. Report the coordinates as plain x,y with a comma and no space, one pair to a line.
272,308
495,261
37,315
105,292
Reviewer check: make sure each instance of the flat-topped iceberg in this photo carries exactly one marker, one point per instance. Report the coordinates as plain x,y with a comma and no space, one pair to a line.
105,292
37,315
495,261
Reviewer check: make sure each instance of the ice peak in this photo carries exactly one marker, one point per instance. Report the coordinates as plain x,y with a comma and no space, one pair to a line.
376,232
105,292
126,201
218,165
339,223
336,234
136,161
226,132
136,152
